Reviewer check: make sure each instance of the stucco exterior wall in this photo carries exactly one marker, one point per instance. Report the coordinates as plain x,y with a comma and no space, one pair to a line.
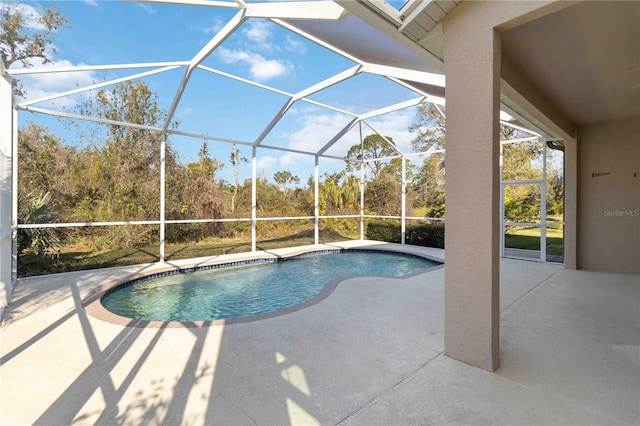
472,51
472,186
570,202
609,204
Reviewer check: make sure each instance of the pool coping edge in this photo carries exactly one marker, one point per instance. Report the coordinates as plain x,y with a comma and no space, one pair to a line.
93,306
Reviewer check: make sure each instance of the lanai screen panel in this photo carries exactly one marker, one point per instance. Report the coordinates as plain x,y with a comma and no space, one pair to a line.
355,37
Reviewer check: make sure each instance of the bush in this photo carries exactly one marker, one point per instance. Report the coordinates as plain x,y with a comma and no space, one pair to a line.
437,211
383,231
424,234
38,208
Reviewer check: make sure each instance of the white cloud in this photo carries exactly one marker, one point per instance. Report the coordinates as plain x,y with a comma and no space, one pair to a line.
316,131
265,165
214,28
37,86
259,32
396,125
293,45
149,9
290,160
260,68
182,113
298,164
91,3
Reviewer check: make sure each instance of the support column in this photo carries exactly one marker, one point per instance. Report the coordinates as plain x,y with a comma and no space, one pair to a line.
6,186
316,202
361,188
163,157
254,198
570,203
403,214
472,277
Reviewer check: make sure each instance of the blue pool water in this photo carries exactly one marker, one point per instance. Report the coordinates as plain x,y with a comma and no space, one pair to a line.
234,292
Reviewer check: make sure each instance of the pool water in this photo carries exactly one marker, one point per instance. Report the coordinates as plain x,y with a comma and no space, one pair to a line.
234,292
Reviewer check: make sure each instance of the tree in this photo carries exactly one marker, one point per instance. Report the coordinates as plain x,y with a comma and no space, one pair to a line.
427,186
555,186
130,157
202,193
43,156
521,161
125,162
235,160
26,33
37,207
284,178
428,129
206,166
339,193
374,147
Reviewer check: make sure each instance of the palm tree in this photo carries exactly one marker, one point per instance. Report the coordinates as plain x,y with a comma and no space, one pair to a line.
38,209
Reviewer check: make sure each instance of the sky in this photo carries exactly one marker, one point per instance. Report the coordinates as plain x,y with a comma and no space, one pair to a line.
110,32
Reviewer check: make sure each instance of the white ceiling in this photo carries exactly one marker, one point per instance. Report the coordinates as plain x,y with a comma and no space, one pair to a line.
584,58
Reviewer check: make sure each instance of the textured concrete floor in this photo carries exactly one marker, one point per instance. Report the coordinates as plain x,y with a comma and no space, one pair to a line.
371,353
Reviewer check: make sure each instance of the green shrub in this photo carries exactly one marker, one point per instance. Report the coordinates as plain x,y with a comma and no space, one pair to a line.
380,230
437,211
424,234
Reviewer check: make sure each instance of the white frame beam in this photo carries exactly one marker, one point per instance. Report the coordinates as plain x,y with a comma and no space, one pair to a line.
337,137
303,94
216,41
393,108
163,185
285,15
84,68
254,199
361,186
97,85
207,3
316,201
298,10
424,77
8,180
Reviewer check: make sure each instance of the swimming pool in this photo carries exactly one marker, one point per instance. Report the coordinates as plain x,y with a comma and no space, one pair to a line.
237,291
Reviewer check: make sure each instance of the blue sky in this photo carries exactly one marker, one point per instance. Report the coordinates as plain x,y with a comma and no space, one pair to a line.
109,32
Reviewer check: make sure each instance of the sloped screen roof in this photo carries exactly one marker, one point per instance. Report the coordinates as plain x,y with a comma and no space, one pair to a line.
359,39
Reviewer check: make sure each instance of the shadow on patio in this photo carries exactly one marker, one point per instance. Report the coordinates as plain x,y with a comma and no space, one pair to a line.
369,354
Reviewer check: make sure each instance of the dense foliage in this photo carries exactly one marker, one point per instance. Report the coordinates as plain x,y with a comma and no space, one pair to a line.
423,234
111,173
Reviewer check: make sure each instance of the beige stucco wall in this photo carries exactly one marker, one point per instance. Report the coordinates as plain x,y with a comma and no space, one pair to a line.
570,202
472,52
608,213
472,283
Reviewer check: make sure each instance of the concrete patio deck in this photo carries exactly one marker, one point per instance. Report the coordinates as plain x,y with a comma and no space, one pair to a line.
371,353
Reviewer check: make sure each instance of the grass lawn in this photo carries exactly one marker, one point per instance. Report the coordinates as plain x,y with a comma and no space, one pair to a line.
74,259
529,239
